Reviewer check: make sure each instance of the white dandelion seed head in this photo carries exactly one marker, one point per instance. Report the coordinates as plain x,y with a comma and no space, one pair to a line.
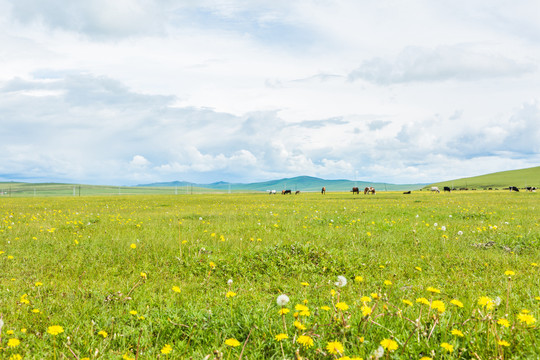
229,281
435,224
497,301
282,300
200,218
460,232
417,215
379,353
443,228
449,215
341,281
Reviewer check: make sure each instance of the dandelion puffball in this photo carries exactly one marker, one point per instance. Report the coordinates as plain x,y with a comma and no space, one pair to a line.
460,232
341,281
229,282
282,300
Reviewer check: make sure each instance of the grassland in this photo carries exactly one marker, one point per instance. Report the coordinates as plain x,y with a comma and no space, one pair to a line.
441,276
520,178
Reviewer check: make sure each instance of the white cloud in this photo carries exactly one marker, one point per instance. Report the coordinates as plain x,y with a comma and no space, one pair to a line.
135,90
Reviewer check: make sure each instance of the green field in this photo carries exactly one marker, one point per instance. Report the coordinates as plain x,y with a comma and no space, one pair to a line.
441,276
520,178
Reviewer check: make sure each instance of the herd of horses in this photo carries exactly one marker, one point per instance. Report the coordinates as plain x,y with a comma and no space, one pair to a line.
371,190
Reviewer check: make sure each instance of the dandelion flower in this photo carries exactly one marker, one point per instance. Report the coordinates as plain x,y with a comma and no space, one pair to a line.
387,282
366,310
503,322
342,306
55,330
280,337
426,358
13,343
39,283
457,303
325,308
334,347
457,332
230,294
503,343
144,276
176,289
103,333
365,299
447,347
283,311
282,300
438,305
212,264
418,268
232,342
486,302
341,281
433,290
358,279
526,318
15,357
407,302
299,325
166,349
423,301
389,344
133,312
303,283
133,246
305,341
509,273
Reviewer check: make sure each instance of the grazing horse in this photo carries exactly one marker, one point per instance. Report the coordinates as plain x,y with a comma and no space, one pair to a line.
369,190
272,192
407,192
355,190
435,189
297,192
285,192
323,190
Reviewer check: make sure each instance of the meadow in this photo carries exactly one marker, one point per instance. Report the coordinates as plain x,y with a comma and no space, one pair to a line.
256,276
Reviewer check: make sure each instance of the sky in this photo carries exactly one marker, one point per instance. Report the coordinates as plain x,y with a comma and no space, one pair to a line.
132,92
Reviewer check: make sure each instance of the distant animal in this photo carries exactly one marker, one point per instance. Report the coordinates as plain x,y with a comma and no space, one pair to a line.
369,190
446,188
513,188
407,192
272,192
297,192
530,188
435,189
355,190
323,190
285,192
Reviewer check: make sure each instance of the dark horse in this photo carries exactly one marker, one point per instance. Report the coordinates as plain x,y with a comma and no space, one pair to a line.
285,192
355,190
323,190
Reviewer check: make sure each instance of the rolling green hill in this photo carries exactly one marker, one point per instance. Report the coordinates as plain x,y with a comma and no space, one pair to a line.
520,178
302,183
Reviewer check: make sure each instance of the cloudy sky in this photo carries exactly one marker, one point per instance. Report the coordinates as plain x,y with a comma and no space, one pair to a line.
126,92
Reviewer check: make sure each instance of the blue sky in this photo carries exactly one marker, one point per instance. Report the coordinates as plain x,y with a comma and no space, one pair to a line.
136,91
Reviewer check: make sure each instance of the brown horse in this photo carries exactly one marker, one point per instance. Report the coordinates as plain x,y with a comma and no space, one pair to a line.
369,190
323,190
355,190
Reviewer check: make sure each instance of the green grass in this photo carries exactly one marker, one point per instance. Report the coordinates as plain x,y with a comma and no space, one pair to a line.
74,260
519,178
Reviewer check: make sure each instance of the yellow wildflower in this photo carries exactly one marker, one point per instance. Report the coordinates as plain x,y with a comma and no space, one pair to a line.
447,347
457,332
438,305
230,294
103,333
55,330
133,246
212,264
509,273
486,302
358,279
166,349
342,306
503,322
433,290
387,282
303,283
325,308
283,311
305,341
334,347
503,343
280,337
176,289
13,342
365,299
407,302
457,303
423,301
389,344
299,325
526,318
366,310
232,342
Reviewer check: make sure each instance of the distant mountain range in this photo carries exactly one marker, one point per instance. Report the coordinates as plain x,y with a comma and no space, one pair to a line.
302,183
